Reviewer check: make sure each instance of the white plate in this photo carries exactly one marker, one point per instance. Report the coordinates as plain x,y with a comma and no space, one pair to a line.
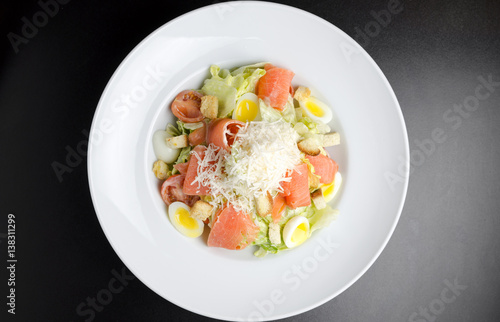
235,285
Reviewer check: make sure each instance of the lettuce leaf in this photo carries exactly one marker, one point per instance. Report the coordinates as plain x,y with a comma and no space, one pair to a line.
317,219
179,130
302,211
193,126
322,218
172,130
248,68
273,249
225,94
270,114
315,127
249,81
183,157
263,224
229,86
288,112
182,128
301,128
261,252
262,238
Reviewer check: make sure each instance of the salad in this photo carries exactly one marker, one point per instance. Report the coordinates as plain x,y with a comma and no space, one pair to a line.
246,159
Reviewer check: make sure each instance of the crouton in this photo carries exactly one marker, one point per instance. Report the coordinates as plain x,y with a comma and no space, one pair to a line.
318,199
160,170
302,93
274,233
177,142
209,106
331,139
201,210
264,204
309,146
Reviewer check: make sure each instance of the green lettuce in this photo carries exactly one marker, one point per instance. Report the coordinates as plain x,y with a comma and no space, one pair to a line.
318,218
273,249
262,238
183,157
315,127
229,86
322,218
270,114
261,252
248,68
172,130
179,130
300,211
263,224
288,112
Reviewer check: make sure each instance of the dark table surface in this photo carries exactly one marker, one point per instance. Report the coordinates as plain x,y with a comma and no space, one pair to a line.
443,260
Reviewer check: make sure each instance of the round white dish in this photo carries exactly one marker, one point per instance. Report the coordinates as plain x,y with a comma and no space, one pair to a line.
234,285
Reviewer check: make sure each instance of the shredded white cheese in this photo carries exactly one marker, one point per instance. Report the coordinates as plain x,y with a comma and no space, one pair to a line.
261,156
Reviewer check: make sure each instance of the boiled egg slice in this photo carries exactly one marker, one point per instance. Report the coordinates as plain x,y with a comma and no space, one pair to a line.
247,108
330,190
162,151
296,231
180,217
316,109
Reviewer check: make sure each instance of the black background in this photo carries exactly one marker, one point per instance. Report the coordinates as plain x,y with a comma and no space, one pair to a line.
432,54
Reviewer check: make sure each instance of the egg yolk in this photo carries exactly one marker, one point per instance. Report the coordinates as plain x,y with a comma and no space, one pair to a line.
300,234
247,111
315,109
329,189
185,220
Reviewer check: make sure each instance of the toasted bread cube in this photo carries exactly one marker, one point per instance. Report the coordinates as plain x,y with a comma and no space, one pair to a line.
264,204
318,199
331,139
201,210
177,142
209,106
160,170
309,146
302,93
274,233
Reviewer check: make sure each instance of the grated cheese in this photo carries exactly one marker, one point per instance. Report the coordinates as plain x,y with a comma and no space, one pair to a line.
261,156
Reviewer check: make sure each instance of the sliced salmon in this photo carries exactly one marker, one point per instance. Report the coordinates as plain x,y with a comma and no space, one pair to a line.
324,167
221,132
198,136
279,205
299,188
274,87
268,66
190,186
181,167
286,184
232,229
